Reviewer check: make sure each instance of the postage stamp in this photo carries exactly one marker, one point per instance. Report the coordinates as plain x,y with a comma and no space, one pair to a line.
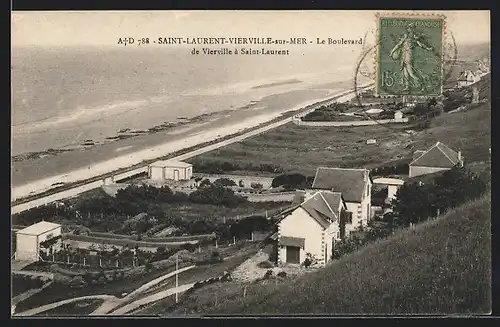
409,59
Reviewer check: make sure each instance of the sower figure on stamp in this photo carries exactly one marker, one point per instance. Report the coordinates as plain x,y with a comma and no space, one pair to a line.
403,51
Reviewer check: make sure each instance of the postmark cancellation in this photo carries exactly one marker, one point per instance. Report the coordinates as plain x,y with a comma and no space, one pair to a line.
409,58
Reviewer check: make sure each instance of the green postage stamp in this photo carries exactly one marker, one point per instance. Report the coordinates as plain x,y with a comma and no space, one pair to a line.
409,58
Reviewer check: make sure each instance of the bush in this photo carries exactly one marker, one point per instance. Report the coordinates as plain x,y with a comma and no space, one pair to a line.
256,186
282,274
417,202
216,195
224,182
268,274
294,180
265,264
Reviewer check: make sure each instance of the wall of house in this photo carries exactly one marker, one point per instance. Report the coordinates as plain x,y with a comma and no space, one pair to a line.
355,208
183,173
155,173
366,204
332,235
418,170
300,224
391,191
26,247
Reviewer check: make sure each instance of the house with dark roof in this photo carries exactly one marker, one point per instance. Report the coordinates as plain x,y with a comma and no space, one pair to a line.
355,186
313,226
437,158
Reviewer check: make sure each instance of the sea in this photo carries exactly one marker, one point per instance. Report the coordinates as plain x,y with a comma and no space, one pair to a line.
64,96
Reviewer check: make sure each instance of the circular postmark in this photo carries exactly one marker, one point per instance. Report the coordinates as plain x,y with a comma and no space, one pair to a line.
423,80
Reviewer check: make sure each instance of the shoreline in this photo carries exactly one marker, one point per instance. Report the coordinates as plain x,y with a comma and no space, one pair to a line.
166,148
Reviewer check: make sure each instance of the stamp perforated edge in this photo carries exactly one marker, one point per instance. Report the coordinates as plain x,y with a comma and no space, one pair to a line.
422,15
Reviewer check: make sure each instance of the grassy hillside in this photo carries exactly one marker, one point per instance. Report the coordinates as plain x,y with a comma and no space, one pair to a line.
440,267
303,149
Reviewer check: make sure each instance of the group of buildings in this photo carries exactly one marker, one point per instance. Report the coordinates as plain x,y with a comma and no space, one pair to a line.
337,203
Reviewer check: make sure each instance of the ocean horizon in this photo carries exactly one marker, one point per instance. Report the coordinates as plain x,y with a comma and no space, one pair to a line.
64,96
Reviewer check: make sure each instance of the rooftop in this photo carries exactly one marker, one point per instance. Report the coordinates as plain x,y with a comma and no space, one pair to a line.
322,207
349,182
388,181
38,228
438,155
170,163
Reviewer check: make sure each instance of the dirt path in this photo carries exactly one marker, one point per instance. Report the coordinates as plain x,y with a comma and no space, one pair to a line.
58,304
34,273
110,301
152,298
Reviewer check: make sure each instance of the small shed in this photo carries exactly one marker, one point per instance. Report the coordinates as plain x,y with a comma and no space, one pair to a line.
30,240
393,184
398,115
170,170
371,141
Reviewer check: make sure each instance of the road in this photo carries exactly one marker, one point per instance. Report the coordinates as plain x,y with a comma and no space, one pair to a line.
33,273
51,306
78,189
152,298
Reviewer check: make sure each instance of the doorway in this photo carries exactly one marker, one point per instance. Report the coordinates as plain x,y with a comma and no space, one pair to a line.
293,254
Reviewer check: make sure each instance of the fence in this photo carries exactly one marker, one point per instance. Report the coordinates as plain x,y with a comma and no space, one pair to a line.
300,122
246,180
90,260
123,242
270,197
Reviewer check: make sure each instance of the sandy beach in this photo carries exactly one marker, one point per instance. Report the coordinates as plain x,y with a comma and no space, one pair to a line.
128,152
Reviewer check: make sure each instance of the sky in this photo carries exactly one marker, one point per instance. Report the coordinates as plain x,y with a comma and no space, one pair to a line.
103,28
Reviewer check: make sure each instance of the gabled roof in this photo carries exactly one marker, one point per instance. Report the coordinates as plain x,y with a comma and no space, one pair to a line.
350,182
439,155
38,228
322,207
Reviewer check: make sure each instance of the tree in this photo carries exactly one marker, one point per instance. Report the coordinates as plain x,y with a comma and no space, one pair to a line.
256,186
224,182
205,182
293,180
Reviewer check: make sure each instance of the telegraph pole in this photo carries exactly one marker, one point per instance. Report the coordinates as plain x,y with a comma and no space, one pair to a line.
177,278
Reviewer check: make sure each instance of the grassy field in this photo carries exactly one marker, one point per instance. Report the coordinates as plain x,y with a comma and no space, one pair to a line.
303,149
199,273
440,267
193,211
21,284
58,292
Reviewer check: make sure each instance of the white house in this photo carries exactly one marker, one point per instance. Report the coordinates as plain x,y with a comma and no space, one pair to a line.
393,184
30,240
170,170
437,158
398,115
467,78
312,227
355,186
